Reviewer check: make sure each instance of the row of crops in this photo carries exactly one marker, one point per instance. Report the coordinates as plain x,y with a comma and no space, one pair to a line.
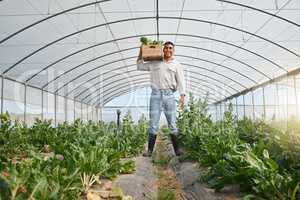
45,162
263,160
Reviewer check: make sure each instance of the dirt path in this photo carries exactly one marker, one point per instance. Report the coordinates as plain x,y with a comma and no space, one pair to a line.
183,177
141,185
164,177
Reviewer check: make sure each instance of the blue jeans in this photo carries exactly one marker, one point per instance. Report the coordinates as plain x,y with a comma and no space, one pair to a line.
162,100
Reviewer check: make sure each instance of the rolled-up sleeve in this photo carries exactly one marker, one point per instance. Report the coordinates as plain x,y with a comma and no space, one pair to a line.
180,79
142,66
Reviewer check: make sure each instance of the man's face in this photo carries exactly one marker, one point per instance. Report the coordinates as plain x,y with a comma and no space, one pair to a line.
168,51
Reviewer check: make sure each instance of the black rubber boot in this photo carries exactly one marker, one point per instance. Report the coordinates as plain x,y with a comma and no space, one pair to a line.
174,140
151,143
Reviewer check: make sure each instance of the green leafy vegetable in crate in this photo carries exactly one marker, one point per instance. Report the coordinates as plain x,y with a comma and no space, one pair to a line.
147,41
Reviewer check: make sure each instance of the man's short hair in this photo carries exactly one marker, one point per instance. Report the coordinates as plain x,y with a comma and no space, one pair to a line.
169,42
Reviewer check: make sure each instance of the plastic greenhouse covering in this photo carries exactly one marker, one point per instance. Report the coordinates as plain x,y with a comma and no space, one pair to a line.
69,59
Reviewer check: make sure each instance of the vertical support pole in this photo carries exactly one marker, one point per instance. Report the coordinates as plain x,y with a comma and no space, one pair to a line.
216,107
66,108
221,113
81,115
55,110
236,108
244,106
253,108
42,113
97,112
264,103
25,101
277,100
74,110
87,112
296,96
2,95
101,113
287,103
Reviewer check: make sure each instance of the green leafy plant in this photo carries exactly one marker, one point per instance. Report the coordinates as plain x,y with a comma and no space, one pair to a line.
147,41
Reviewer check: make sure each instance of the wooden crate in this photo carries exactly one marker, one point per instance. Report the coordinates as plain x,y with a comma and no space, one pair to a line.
152,52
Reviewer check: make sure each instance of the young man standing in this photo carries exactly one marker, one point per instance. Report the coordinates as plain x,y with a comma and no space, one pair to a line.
166,77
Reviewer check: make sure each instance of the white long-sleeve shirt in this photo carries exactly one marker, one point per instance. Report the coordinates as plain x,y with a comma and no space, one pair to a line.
164,75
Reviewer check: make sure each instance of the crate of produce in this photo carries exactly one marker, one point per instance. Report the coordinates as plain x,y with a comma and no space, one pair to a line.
151,50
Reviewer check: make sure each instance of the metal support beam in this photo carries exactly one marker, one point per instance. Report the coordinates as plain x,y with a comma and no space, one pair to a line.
132,48
74,111
296,96
262,11
66,107
146,18
244,106
81,113
253,108
2,93
25,102
274,80
42,114
55,110
264,103
236,108
144,78
277,99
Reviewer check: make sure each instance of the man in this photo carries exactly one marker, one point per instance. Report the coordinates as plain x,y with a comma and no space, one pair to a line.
166,77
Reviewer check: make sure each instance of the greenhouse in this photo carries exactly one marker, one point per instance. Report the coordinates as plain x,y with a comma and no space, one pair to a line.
77,109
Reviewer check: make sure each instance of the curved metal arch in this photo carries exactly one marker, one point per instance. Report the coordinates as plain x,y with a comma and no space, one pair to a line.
138,47
216,73
230,57
217,64
123,92
69,70
95,84
124,59
234,28
206,76
95,68
109,41
113,96
81,84
89,101
116,87
47,18
259,10
211,78
64,73
143,18
132,81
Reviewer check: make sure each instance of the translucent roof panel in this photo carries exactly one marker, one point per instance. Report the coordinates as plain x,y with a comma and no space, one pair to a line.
75,48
